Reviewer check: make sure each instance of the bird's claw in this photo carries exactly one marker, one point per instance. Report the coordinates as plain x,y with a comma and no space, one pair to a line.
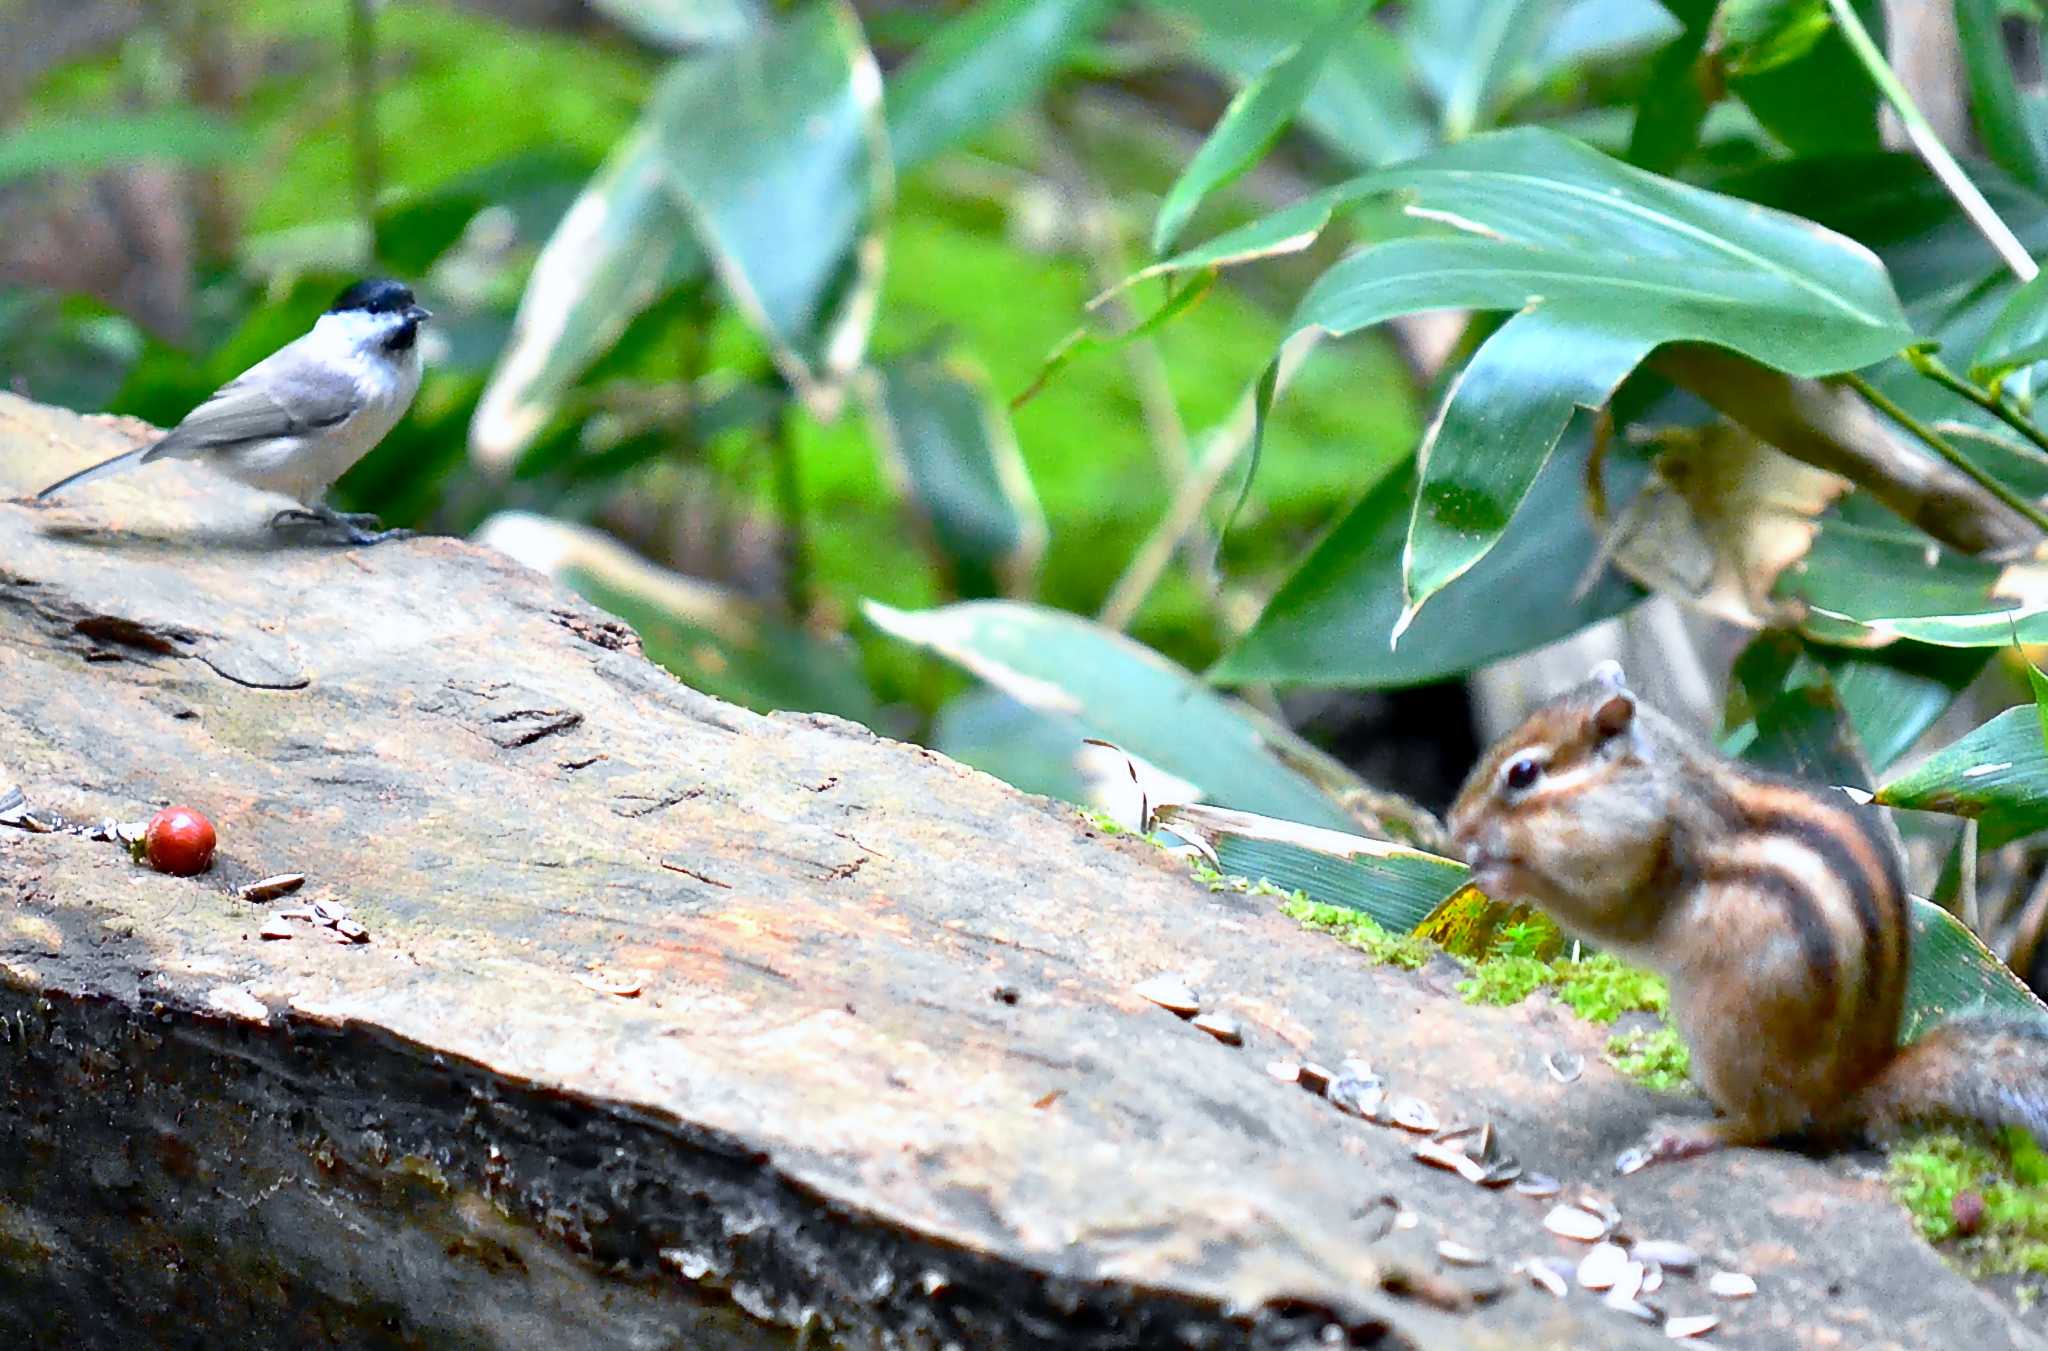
356,527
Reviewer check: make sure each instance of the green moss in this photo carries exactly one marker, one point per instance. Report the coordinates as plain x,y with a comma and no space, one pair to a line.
1356,929
1505,979
1927,1173
1652,1056
1600,988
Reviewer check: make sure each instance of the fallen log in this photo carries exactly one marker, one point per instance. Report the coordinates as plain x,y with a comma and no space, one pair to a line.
676,1025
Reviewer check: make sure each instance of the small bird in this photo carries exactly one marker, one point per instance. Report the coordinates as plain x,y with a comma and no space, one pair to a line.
298,419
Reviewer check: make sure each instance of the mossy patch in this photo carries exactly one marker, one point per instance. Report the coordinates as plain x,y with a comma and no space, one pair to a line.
2008,1171
1597,988
1652,1056
1356,929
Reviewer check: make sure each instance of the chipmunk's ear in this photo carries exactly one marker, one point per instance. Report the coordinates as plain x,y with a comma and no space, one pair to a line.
1615,714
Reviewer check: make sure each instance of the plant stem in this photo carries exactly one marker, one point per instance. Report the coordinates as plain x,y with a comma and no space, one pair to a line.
1925,140
1942,447
1930,366
790,489
362,68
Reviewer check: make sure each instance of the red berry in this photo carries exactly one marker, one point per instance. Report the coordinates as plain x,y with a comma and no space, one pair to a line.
179,841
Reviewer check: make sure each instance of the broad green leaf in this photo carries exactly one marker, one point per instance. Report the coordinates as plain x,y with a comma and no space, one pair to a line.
176,135
1469,51
2011,137
1331,622
1895,694
684,23
1252,122
1812,93
1760,35
1997,774
996,56
2018,337
2039,684
1029,749
1870,579
1951,972
712,639
621,245
775,150
1796,718
1363,107
1672,109
952,452
1607,262
1061,664
1501,418
1394,883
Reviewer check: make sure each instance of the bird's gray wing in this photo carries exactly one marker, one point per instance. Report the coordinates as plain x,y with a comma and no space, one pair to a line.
286,394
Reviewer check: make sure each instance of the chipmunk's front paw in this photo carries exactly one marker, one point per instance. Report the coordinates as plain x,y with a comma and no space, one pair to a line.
1670,1141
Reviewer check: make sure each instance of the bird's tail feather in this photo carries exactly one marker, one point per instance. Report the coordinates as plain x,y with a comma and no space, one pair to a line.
125,460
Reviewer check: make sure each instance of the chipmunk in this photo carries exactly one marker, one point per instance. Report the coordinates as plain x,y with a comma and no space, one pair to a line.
1775,911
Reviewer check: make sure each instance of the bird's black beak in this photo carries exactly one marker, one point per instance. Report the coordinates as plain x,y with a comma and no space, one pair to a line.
419,314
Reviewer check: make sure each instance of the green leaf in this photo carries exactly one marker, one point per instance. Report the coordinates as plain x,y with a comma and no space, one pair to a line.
952,452
2011,137
175,135
712,639
775,150
619,247
1332,621
1395,884
1870,579
1760,35
684,23
2039,683
1028,748
1800,726
1895,694
1812,93
2018,337
1950,971
1606,262
995,57
1672,109
1468,51
1997,774
1061,664
1252,122
1363,107
1501,418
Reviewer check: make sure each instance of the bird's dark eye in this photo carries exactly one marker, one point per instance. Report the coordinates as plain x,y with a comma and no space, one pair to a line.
1522,773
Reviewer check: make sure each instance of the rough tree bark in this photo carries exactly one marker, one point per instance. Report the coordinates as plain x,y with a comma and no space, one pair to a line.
681,1026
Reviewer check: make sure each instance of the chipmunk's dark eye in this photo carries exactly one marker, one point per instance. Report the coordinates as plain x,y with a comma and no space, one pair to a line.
1522,773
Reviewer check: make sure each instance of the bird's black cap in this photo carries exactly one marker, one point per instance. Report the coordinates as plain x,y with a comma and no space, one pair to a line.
377,295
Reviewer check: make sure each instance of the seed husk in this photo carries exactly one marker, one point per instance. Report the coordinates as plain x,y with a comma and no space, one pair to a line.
1539,1185
1574,1222
1413,1114
1440,1156
1221,1026
1667,1254
1603,1267
1634,1308
1315,1078
1731,1285
1690,1325
1565,1066
1633,1160
276,927
1285,1071
270,888
1458,1255
1170,993
1544,1275
1359,1097
1499,1173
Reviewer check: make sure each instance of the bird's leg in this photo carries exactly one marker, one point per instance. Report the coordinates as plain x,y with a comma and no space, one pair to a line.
354,526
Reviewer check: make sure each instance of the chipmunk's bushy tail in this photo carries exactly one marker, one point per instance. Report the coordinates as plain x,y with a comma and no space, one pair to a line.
1987,1068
